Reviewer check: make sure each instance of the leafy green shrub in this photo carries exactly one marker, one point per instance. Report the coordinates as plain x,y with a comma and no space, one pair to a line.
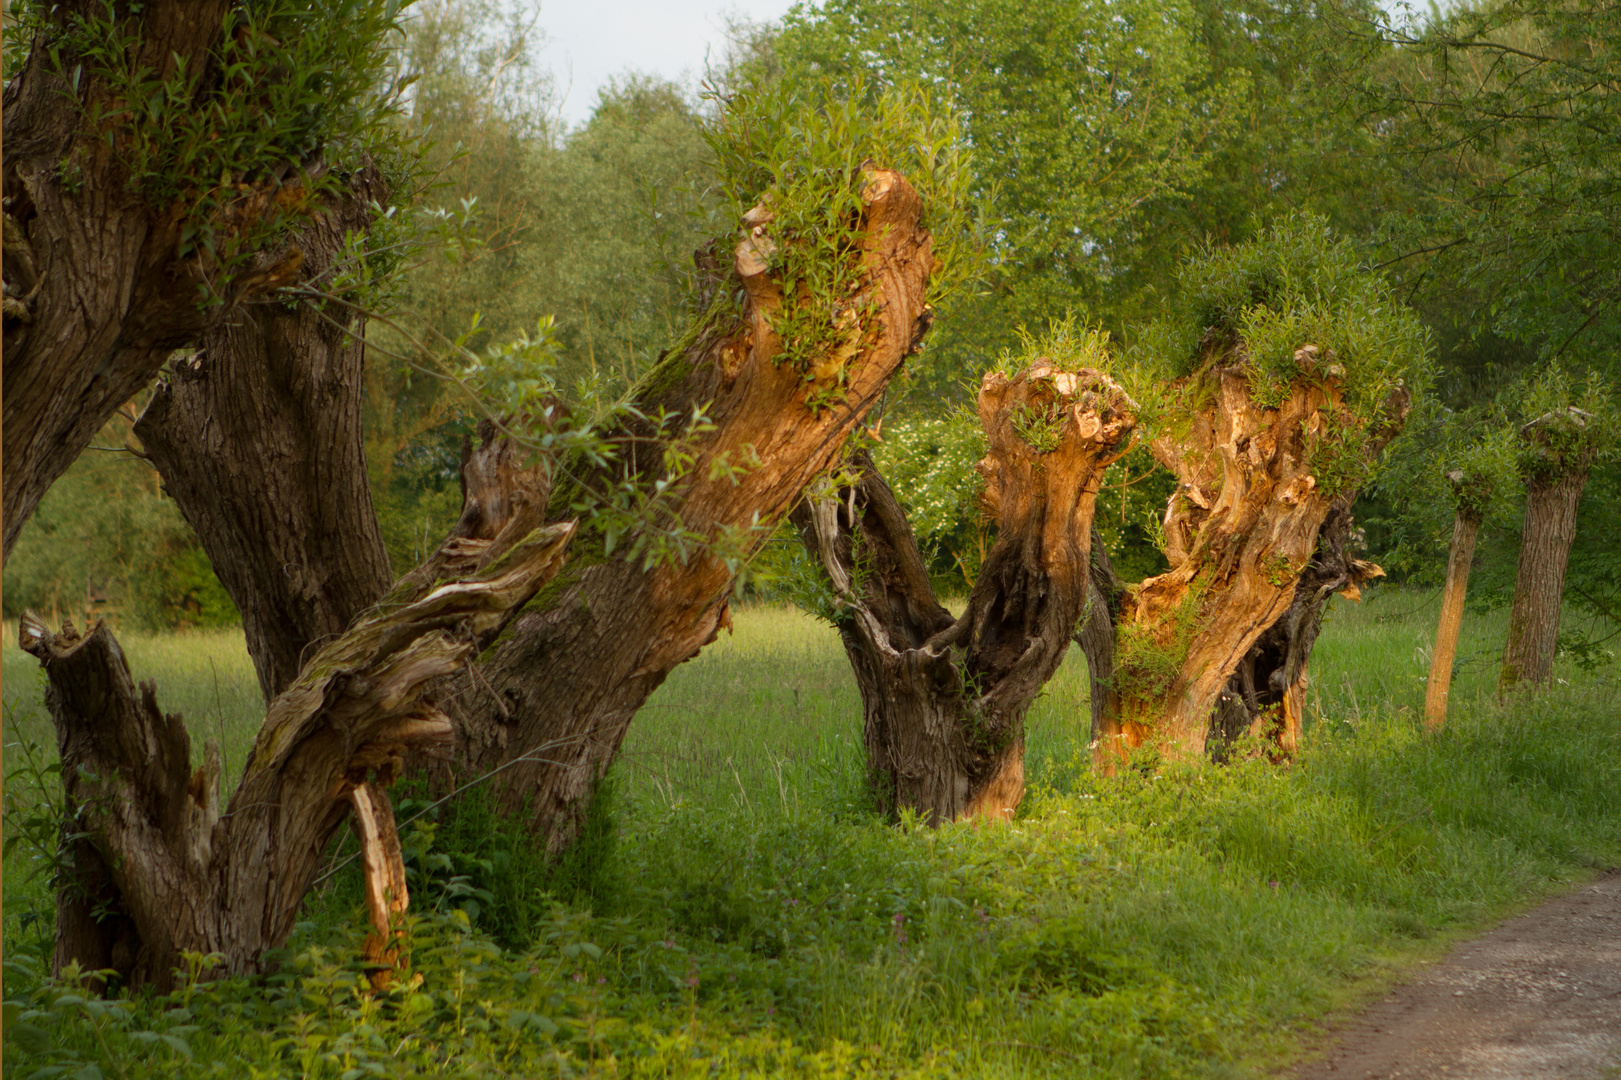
105,539
1297,303
802,153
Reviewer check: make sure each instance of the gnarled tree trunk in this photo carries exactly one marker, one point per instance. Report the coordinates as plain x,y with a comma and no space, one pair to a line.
555,697
1220,641
945,700
1266,696
552,700
96,293
160,871
258,440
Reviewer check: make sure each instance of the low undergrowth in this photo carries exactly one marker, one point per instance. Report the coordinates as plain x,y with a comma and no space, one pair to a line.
1187,923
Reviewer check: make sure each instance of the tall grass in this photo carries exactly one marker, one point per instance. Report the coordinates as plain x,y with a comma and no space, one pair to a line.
739,911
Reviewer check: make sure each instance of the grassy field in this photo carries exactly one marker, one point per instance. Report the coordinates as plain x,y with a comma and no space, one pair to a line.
737,911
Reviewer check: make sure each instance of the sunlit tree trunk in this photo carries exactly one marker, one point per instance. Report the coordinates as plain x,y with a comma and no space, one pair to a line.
552,700
1219,643
945,699
1465,530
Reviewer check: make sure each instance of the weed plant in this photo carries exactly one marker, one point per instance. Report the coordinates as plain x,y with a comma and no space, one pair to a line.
737,910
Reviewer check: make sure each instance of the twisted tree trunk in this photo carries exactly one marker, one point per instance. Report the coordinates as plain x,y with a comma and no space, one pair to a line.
1266,696
945,700
1219,643
96,292
554,698
258,440
159,871
1465,530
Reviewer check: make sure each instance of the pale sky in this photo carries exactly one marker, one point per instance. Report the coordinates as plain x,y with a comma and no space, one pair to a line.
589,42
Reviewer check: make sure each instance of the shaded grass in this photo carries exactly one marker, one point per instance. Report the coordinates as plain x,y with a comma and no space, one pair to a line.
746,915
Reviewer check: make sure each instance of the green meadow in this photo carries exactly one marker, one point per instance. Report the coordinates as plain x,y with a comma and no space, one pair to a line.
736,908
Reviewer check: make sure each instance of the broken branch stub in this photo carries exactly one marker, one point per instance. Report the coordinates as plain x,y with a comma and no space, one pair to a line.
155,853
1218,644
945,700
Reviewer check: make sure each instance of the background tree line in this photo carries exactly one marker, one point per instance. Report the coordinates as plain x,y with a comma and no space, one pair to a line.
1110,141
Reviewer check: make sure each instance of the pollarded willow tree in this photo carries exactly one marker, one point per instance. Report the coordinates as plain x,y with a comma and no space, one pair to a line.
809,310
1270,393
1569,428
1284,373
1471,489
945,698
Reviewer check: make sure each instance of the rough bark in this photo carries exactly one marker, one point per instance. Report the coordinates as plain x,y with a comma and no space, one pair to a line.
1539,580
155,853
553,700
1196,649
1560,448
96,295
944,700
1096,638
258,439
1465,530
1266,696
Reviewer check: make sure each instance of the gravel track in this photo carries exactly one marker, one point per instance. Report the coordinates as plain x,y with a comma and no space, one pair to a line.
1535,999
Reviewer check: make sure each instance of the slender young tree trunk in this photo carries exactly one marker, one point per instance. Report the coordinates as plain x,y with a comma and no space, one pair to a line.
1196,651
258,440
1096,639
1539,583
96,295
1464,533
944,700
159,871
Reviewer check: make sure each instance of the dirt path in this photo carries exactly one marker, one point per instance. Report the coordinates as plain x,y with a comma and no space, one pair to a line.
1537,998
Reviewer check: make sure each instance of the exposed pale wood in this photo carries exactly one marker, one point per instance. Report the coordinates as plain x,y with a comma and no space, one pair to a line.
383,868
176,875
1465,530
1242,534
